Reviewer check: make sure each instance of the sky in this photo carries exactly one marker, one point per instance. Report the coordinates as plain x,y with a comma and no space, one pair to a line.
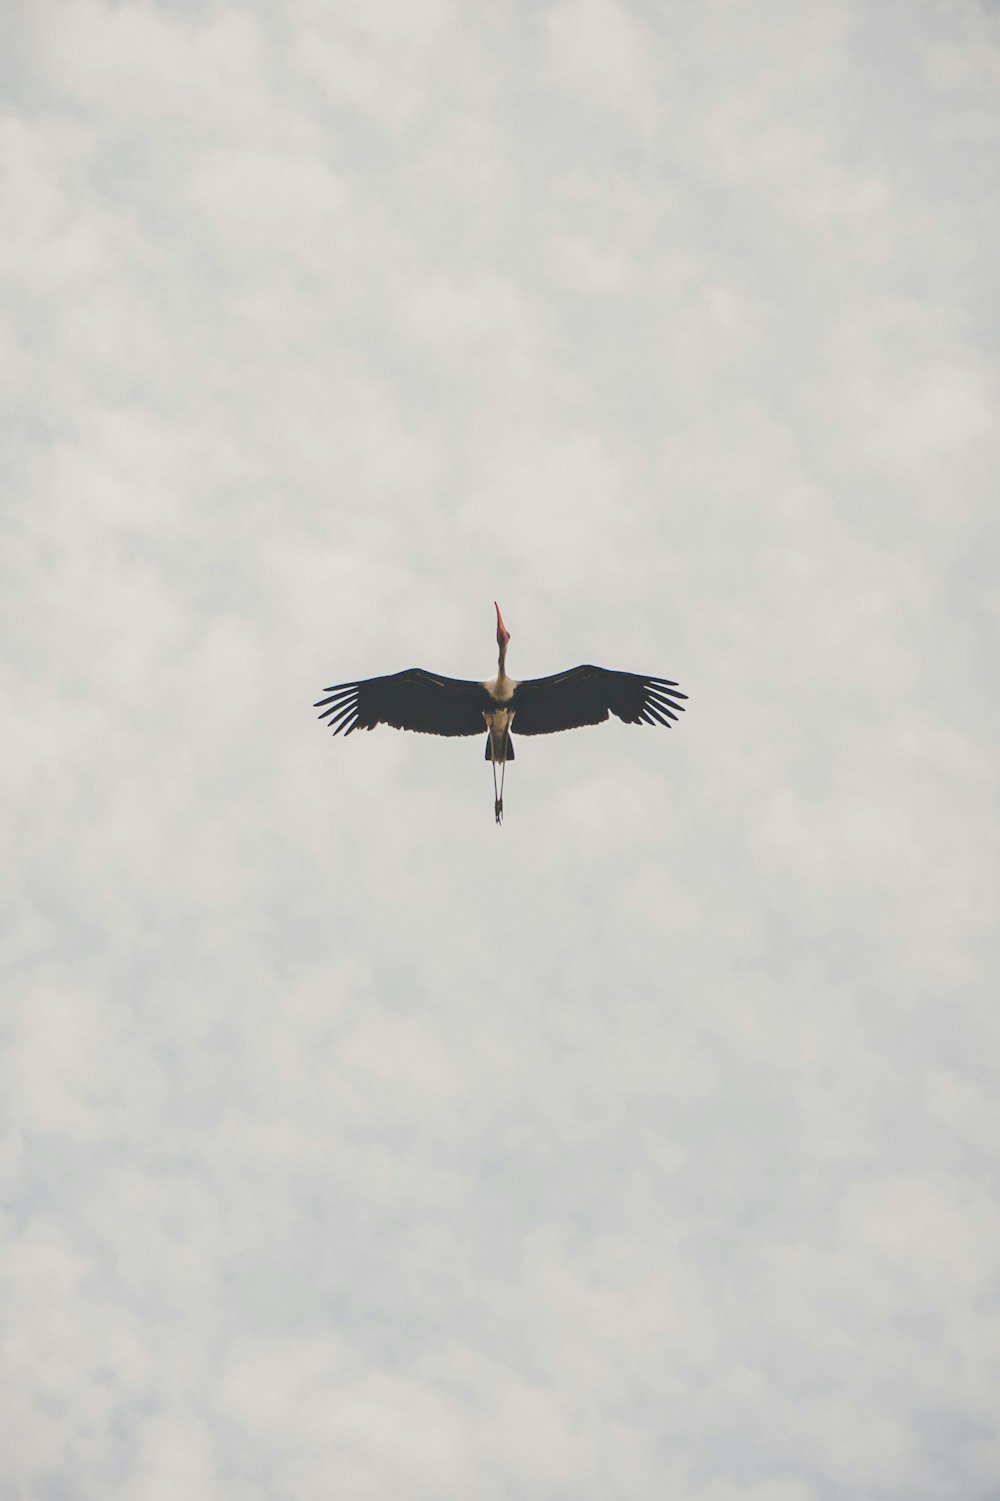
647,1146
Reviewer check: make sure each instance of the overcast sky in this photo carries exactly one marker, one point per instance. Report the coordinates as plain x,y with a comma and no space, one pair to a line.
647,1147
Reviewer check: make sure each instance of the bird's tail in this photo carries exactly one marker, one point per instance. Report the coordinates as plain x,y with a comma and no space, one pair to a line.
508,752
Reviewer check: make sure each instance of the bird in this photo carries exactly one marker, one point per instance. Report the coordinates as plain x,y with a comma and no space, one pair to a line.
435,705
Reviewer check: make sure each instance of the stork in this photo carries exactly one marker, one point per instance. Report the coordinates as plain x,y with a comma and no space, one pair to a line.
436,705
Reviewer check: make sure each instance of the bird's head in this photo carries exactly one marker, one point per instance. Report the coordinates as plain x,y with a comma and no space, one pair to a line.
503,634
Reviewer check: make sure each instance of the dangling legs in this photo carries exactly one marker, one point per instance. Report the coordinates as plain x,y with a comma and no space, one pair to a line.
498,796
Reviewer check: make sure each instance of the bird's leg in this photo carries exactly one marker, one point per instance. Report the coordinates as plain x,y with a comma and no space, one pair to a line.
498,805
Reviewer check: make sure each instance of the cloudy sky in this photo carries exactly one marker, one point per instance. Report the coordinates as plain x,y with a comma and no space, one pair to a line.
646,1147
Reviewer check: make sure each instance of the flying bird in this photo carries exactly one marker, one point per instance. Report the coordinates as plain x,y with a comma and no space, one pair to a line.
436,705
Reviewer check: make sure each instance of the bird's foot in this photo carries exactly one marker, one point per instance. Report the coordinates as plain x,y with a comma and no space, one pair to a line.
498,809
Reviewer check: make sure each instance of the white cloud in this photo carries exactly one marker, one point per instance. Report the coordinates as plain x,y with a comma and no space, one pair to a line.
601,52
646,1145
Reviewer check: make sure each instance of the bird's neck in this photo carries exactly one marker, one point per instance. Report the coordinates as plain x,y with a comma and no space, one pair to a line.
502,687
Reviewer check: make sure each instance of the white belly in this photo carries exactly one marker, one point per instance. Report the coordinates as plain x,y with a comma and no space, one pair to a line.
501,688
498,717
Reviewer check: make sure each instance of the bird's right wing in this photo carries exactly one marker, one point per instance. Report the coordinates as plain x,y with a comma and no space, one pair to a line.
410,700
587,695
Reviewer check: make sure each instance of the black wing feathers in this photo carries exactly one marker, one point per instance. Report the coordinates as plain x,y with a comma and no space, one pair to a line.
410,700
587,695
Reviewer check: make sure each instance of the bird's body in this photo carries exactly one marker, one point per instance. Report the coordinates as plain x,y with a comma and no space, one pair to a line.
436,705
499,715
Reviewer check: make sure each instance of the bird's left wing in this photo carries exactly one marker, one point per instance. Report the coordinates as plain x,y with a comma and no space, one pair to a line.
410,700
587,695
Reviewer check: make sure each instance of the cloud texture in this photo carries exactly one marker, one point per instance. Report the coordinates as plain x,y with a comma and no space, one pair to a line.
648,1147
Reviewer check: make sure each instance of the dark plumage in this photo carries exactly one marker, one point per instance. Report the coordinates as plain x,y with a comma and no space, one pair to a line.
587,695
410,700
436,705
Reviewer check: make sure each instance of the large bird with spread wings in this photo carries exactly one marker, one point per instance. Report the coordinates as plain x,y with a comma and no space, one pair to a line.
436,705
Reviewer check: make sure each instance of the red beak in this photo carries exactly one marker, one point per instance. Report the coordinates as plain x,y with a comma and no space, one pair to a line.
501,628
